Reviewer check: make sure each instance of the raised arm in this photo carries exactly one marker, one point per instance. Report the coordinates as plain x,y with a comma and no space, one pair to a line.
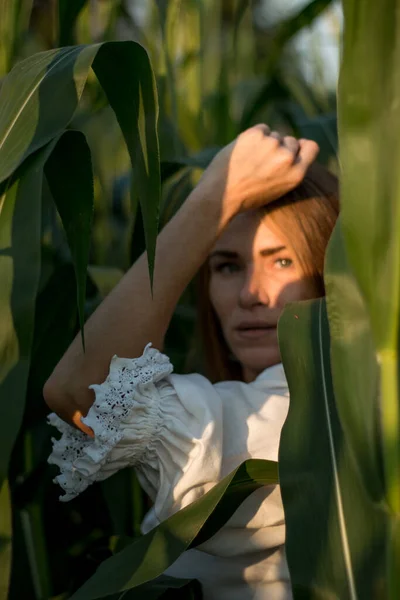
251,171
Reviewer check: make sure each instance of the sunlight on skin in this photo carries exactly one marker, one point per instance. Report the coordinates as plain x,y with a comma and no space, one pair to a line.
254,272
76,419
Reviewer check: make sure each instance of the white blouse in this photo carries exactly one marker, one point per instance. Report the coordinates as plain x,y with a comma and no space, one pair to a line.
183,435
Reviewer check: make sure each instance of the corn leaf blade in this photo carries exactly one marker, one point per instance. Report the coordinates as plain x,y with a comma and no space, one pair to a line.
149,556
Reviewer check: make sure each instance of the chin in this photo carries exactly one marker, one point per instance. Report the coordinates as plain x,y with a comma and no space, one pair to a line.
259,359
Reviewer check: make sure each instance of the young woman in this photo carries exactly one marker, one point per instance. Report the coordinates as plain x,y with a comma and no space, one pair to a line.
256,226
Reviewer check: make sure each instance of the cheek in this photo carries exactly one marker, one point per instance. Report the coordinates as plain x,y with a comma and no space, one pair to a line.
295,290
223,298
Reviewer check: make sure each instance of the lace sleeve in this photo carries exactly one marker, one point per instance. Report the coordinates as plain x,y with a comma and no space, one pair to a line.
125,417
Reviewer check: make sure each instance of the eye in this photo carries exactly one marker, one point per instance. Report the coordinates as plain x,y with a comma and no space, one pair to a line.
284,263
226,268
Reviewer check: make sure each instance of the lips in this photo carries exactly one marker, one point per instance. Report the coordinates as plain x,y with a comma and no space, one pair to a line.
251,330
246,325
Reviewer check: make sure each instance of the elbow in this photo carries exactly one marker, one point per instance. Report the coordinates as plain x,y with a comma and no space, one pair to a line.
51,392
59,399
56,392
59,387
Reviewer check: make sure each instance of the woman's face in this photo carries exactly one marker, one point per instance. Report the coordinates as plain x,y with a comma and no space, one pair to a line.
254,272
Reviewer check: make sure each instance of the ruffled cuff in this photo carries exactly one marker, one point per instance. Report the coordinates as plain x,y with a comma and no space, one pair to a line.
125,417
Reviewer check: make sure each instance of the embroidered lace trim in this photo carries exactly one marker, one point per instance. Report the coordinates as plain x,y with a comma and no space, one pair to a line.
128,395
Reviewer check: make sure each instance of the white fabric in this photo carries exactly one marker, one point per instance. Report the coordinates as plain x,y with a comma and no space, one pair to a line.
183,435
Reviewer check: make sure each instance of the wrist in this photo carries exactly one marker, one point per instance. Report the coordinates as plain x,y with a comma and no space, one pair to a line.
209,200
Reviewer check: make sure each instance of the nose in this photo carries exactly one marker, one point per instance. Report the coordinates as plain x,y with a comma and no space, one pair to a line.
254,289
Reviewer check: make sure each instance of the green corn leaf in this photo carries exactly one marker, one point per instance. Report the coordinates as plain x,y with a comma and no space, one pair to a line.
369,119
14,24
134,101
69,175
20,232
31,520
20,237
241,8
336,537
5,540
38,99
40,96
68,12
354,367
155,589
148,557
394,559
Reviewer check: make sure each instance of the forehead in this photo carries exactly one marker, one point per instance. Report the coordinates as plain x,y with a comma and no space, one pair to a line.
249,232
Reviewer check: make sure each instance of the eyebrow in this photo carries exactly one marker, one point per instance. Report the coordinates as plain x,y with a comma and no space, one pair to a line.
231,254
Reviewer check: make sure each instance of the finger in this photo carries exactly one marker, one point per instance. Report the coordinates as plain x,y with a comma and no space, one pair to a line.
291,143
276,135
308,153
77,422
263,127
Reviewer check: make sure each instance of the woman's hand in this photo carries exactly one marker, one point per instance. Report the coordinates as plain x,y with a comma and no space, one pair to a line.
258,167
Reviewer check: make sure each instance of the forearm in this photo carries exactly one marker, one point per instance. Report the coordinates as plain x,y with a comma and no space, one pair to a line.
131,316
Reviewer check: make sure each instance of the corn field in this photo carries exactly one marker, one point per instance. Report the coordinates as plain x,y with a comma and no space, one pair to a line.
94,160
